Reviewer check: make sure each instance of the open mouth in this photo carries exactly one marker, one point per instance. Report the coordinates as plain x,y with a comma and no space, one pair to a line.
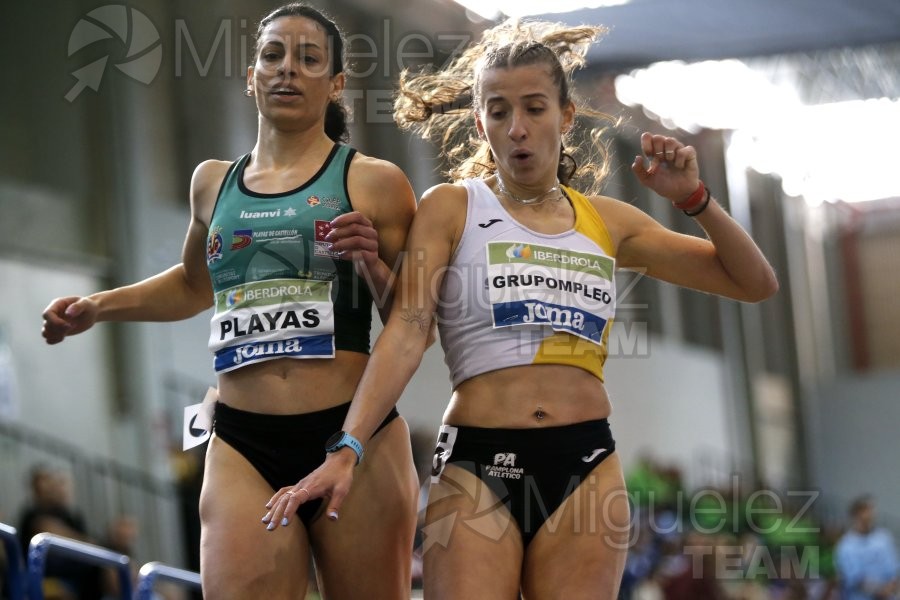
285,92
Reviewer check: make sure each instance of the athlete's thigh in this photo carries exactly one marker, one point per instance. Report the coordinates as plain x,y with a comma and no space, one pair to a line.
239,557
579,552
472,547
367,552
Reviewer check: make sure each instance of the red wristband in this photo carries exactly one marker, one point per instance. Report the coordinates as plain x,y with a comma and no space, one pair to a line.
694,200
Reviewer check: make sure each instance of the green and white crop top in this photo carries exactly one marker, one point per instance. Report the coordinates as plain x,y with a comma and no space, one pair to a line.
513,296
280,291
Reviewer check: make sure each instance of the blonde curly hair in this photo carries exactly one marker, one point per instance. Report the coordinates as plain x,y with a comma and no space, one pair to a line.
439,106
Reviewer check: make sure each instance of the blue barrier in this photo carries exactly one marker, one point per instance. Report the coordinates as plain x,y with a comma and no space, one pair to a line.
15,568
43,543
153,571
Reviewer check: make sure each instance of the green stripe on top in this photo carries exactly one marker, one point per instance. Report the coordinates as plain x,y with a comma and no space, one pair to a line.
548,256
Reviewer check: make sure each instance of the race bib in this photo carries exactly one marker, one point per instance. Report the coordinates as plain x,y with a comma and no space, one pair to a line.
271,319
536,285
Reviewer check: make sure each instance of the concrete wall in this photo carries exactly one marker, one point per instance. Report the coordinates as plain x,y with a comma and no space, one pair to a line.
858,445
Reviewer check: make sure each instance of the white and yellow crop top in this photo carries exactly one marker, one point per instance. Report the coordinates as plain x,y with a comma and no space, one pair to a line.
512,296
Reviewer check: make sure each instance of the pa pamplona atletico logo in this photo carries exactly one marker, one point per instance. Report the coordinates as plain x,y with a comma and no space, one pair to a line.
141,53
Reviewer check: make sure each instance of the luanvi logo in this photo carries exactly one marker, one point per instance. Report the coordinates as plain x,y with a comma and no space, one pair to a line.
140,39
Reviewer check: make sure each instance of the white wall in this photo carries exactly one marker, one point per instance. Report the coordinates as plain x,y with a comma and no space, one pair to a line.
673,404
63,390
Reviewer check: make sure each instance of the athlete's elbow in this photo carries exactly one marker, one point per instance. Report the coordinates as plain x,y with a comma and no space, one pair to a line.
772,285
767,287
405,342
198,301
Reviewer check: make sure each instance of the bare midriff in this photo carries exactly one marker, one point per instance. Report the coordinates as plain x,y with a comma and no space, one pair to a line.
529,396
291,386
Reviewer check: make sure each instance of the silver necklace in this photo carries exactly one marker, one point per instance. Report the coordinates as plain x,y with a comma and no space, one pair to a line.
539,199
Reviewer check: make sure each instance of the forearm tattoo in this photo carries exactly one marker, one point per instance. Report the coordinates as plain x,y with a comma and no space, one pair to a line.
417,317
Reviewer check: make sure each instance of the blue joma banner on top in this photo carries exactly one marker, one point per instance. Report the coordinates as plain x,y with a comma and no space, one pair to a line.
559,318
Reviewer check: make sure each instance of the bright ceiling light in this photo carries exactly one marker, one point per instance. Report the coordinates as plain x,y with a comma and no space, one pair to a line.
724,94
494,9
822,152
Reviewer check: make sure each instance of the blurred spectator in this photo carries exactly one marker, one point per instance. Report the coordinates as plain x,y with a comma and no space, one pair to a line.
752,578
121,537
866,558
4,591
692,575
826,587
649,588
50,510
641,562
741,543
650,484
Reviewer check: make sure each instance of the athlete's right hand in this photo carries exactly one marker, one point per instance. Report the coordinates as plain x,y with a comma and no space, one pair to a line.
68,316
331,482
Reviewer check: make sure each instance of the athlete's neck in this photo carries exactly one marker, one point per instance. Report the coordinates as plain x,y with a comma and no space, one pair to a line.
277,149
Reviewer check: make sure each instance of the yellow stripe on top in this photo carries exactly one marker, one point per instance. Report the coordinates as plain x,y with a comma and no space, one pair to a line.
565,348
589,222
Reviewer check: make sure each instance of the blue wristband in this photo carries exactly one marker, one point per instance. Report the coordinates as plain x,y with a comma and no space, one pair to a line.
342,439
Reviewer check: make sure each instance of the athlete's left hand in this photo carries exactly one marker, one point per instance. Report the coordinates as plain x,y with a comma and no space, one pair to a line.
672,171
355,238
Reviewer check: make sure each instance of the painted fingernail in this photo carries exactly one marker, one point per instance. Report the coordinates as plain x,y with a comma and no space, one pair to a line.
269,504
270,526
333,515
266,519
284,522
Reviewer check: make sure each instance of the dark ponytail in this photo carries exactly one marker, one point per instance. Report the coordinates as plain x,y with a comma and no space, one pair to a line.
336,122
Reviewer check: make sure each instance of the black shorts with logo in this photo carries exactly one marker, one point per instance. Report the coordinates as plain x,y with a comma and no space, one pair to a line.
531,471
284,448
